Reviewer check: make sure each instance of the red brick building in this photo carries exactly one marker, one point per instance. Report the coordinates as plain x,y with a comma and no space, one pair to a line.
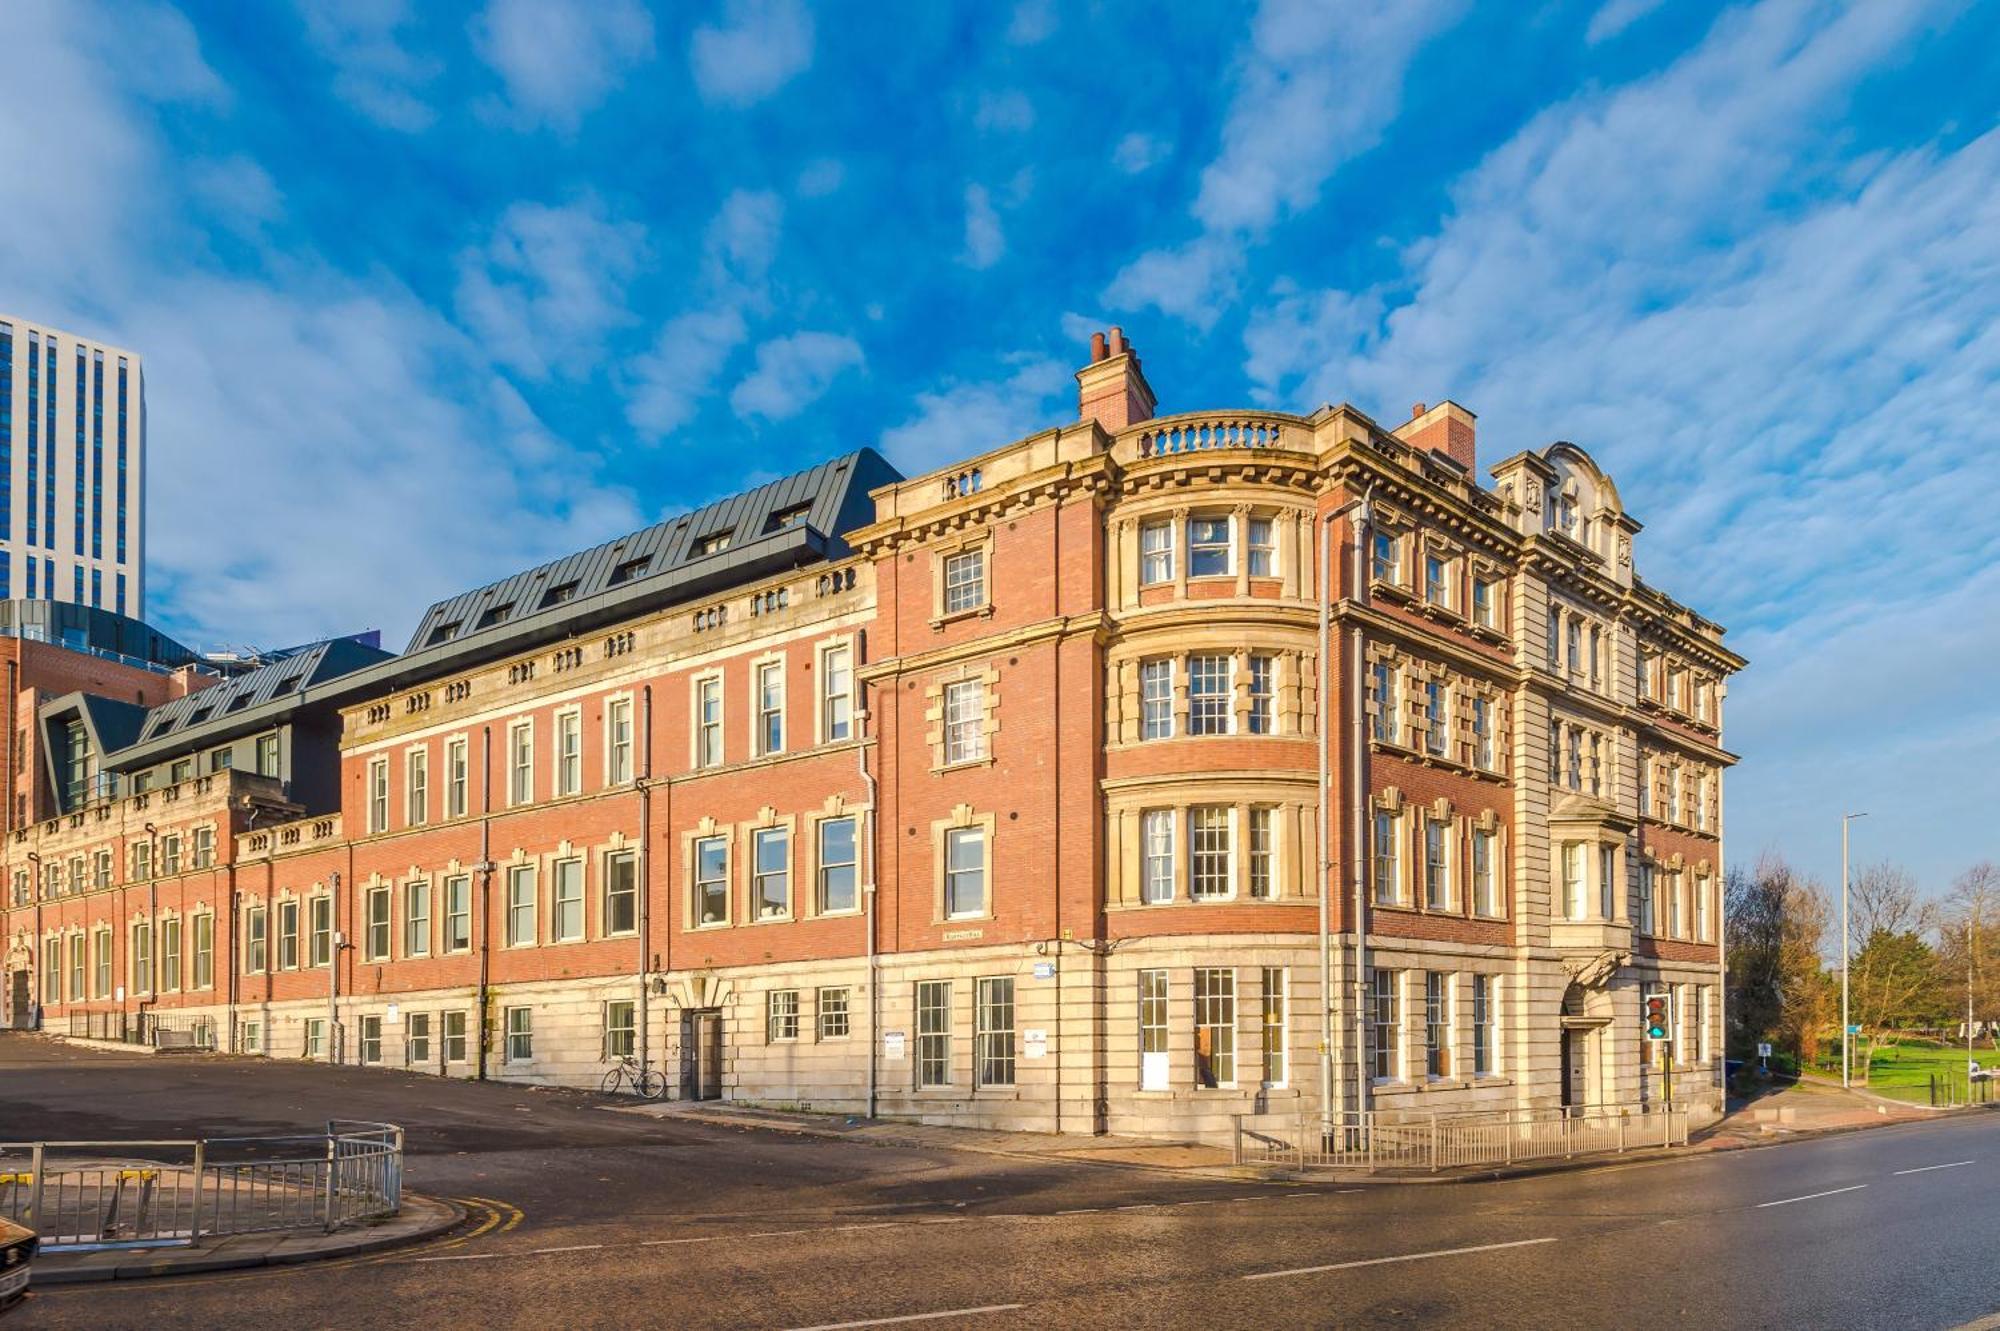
993,795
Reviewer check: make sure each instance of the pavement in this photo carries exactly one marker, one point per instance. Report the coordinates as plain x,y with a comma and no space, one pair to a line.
579,1217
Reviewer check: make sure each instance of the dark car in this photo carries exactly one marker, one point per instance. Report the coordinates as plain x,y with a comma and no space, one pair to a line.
17,1249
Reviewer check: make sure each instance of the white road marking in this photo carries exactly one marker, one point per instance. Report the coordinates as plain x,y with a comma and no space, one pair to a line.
1082,1210
1812,1196
1406,1257
460,1257
705,1238
1925,1169
915,1317
575,1247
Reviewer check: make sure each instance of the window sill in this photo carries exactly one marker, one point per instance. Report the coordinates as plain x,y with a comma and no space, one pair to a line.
786,918
1393,591
939,622
963,764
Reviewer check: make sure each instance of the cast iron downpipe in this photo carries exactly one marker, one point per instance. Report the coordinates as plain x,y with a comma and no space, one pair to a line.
485,887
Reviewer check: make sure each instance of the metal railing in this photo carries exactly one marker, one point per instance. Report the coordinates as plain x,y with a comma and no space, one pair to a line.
85,1196
158,1029
1404,1140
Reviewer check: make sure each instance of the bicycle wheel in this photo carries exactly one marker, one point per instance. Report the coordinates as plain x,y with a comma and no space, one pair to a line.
609,1085
652,1085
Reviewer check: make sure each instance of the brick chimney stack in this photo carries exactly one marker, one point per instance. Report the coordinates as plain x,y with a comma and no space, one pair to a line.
1446,428
1112,389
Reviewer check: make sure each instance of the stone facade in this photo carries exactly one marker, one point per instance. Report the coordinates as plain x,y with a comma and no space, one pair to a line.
1012,812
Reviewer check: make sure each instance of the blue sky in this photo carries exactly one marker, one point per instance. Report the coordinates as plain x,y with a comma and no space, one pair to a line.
430,292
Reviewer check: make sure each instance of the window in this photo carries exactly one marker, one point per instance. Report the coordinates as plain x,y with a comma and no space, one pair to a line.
1702,1002
1274,1026
142,957
288,935
267,755
711,880
1702,886
831,1011
1573,641
621,892
417,1042
1153,1030
1482,734
1156,699
521,931
771,870
253,1037
417,783
520,1034
964,721
457,777
617,741
708,723
1386,558
1214,1026
1437,864
221,760
569,753
180,771
255,939
1575,902
568,900
1385,1030
1645,899
836,694
714,543
770,697
781,1015
1156,831
1437,710
1262,686
620,1028
1263,882
101,980
416,919
1555,638
1208,695
76,871
100,866
837,865
453,1024
378,794
521,762
1485,897
1485,613
1156,553
1263,547
1596,656
76,967
1437,580
321,932
1673,795
964,581
1607,883
1437,1024
1701,804
993,1033
371,1039
142,862
376,936
1208,547
1388,875
965,872
315,1037
1483,1062
170,860
1674,877
1388,721
1211,857
51,971
934,1033
458,913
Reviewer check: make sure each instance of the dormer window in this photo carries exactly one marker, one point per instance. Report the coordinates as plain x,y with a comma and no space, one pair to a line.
443,633
561,592
630,569
712,544
499,614
795,516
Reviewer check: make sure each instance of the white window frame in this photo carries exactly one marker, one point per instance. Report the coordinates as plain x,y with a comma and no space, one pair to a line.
521,762
823,866
378,794
955,873
762,877
964,705
1202,712
569,752
619,768
417,787
767,707
719,881
522,907
963,592
519,1039
619,863
1205,823
1156,698
709,744
457,777
1157,861
1225,546
568,892
417,918
1260,547
459,886
836,700
1156,552
378,927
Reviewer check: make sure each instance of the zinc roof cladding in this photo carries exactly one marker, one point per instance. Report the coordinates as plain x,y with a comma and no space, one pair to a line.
253,689
831,497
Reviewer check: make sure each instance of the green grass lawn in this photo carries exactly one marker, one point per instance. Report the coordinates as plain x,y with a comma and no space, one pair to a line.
1904,1069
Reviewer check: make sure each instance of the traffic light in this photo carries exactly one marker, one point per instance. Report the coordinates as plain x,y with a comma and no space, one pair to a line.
1658,1012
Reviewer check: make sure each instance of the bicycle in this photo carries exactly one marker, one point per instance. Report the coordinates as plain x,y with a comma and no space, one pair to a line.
646,1083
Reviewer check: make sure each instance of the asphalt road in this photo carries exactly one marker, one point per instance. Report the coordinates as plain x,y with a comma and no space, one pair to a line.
592,1218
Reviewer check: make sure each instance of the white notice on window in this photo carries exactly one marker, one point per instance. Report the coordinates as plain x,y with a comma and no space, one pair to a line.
892,1046
394,1015
1034,1044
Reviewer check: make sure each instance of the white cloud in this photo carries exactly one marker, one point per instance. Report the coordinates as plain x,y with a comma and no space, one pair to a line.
760,47
548,284
1033,21
1138,152
374,72
1615,16
1007,111
968,417
237,191
668,383
743,240
561,58
1315,87
1774,351
821,178
793,373
985,243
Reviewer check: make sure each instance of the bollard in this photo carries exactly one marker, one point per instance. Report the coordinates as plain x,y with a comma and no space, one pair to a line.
194,1219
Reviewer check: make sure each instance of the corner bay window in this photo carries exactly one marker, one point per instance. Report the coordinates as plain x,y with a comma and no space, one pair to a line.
1156,833
1156,553
1156,699
1208,547
1211,858
1208,695
1214,1026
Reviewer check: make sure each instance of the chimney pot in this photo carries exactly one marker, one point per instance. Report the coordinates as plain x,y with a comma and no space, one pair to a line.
1418,410
1117,340
1097,351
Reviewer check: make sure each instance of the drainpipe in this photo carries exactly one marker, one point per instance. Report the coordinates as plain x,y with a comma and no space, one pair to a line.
333,969
485,886
645,866
1357,719
866,846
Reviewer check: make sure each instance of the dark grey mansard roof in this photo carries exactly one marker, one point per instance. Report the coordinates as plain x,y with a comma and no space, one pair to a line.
277,682
829,500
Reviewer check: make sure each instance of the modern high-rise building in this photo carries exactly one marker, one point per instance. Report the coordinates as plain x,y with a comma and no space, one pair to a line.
72,469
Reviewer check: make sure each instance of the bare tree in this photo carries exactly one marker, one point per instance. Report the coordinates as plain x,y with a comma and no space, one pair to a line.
1778,925
1969,944
1894,976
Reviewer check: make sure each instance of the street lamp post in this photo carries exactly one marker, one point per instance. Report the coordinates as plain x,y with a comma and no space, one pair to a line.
1846,1028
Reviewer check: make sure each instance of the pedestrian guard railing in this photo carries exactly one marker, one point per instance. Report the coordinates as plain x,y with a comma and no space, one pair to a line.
1370,1141
88,1195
